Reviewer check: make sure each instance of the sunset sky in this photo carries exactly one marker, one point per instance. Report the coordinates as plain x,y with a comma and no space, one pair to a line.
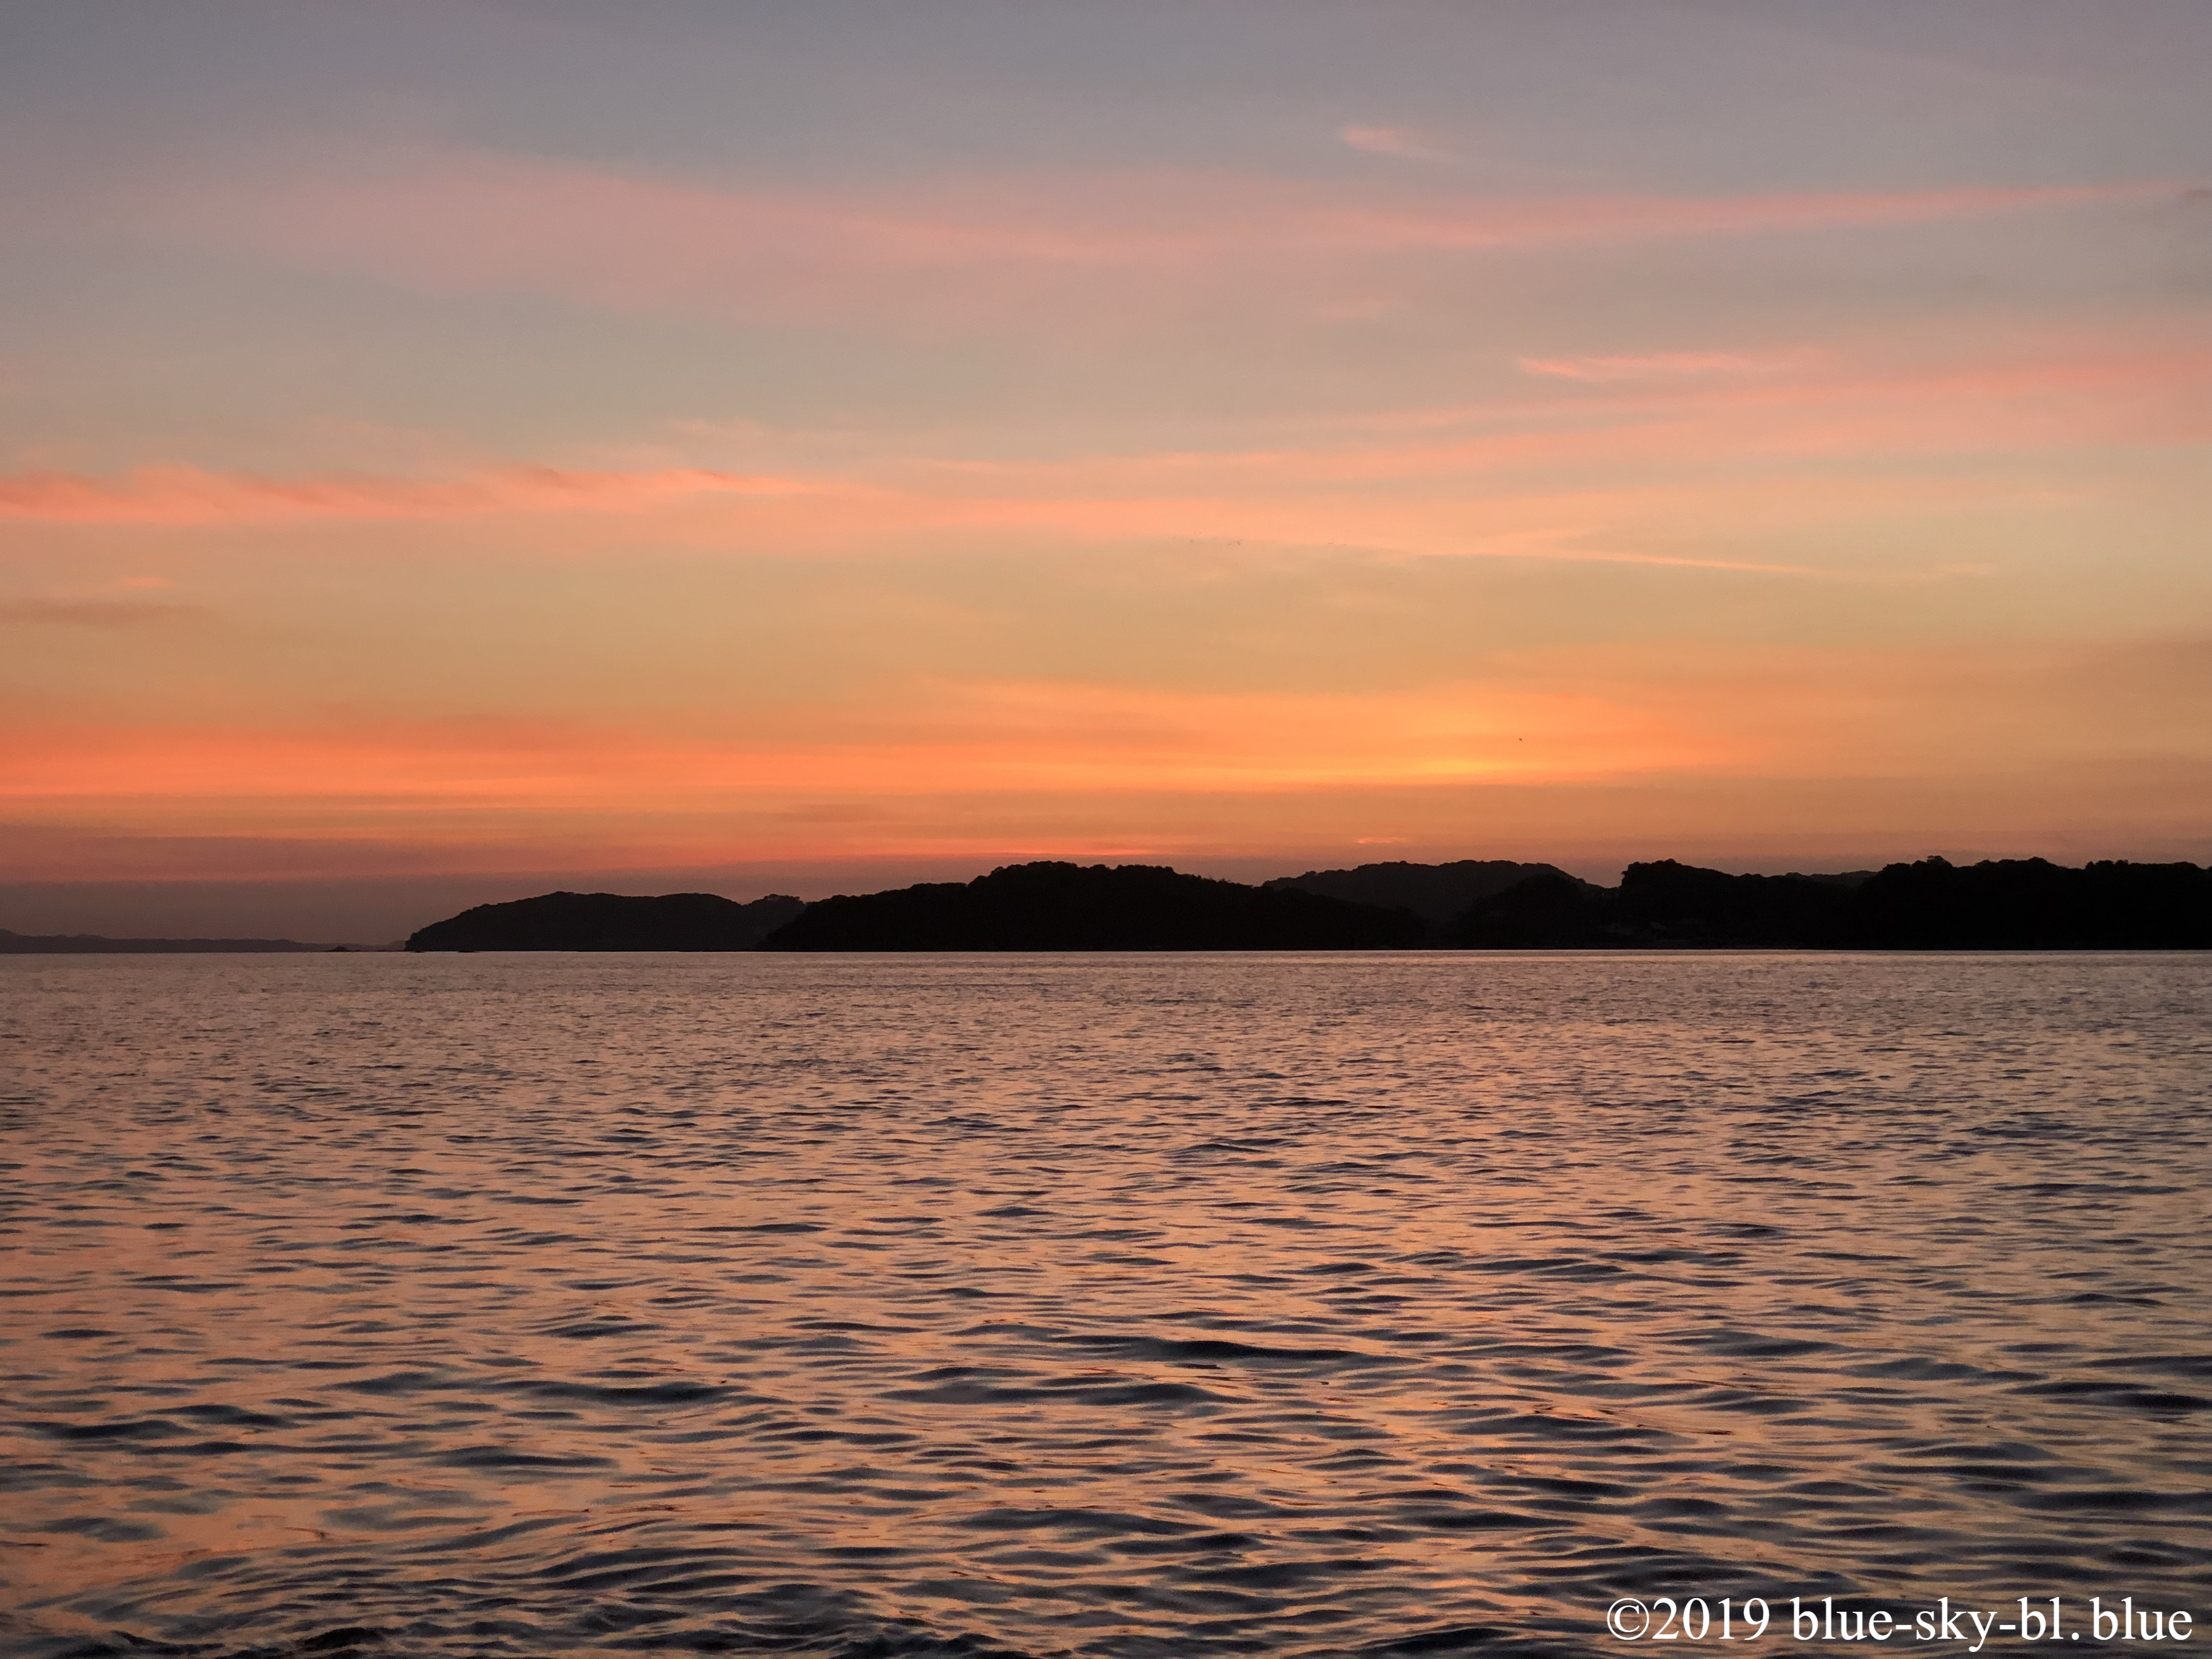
448,450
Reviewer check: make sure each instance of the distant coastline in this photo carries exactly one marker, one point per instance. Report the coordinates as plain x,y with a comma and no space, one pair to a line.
2005,904
86,944
1466,904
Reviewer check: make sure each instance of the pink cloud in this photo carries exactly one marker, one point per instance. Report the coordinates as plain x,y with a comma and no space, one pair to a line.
1077,505
1549,476
1401,141
186,496
478,221
1537,222
1666,364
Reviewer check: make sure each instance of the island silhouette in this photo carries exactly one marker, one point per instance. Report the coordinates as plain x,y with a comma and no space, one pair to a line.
2002,904
611,922
2008,904
1070,907
1435,892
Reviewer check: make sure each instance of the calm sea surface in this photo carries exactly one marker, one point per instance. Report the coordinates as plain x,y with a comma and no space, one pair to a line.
1149,1306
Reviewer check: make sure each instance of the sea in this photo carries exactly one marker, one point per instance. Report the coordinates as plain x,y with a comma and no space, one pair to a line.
1157,1307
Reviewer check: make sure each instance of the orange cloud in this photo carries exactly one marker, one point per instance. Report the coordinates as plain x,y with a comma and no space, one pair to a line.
184,496
1730,737
1543,718
95,613
994,738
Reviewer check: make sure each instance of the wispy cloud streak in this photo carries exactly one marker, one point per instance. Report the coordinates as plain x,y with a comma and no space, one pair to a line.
479,222
1401,141
1541,478
1018,737
186,496
1672,365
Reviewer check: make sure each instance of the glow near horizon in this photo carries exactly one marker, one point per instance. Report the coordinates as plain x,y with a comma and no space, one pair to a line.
537,435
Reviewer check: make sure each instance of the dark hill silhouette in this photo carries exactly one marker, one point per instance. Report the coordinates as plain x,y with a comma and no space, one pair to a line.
2007,905
1552,911
1682,904
1069,906
2011,904
610,921
78,945
2033,904
1434,892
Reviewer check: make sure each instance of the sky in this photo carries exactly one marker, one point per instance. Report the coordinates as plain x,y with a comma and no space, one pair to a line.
450,450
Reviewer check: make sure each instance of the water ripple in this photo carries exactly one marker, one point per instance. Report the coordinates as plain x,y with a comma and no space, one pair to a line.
1028,1306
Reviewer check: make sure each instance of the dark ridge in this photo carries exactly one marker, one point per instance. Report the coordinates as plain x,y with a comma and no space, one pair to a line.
1434,892
1069,906
610,921
94,944
2010,904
